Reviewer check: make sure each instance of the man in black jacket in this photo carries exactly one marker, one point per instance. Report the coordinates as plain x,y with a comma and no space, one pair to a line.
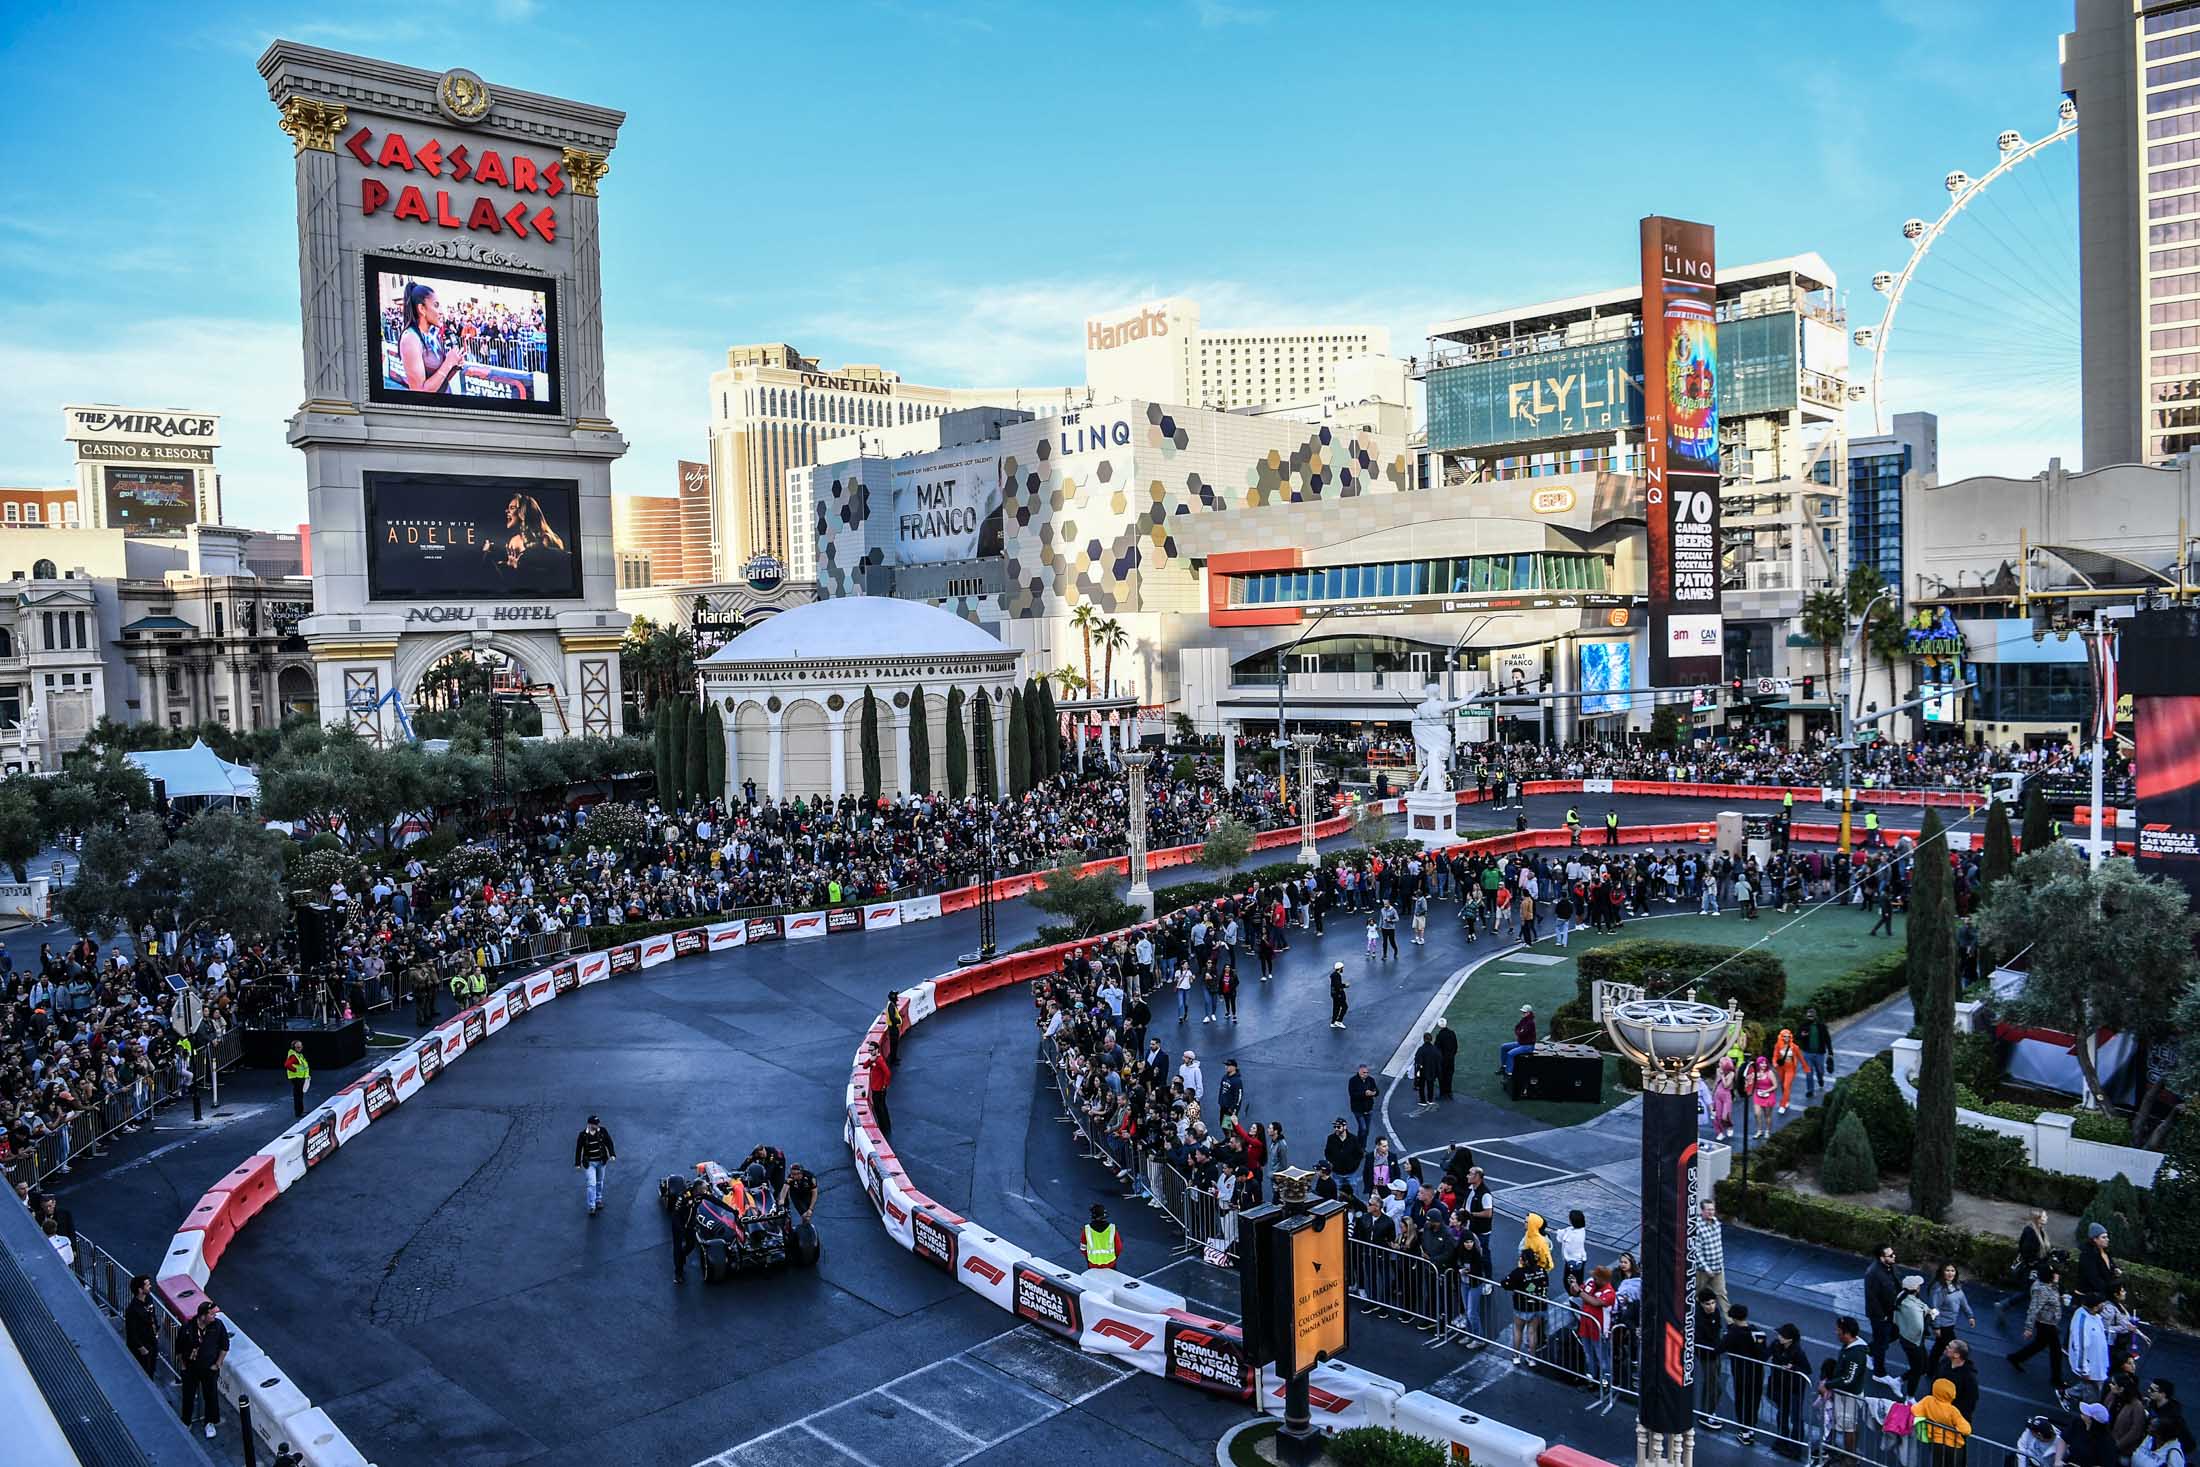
1957,1367
1427,1065
201,1346
683,1228
592,1152
140,1330
1342,1150
1882,1288
1745,1348
1361,1091
1338,1003
1447,1057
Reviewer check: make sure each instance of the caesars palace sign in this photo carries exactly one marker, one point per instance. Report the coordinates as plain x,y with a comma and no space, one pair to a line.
412,167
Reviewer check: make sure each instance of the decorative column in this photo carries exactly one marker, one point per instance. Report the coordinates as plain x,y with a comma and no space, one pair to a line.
1229,756
1671,1039
1083,729
836,729
776,774
1309,853
1134,770
901,746
583,335
730,723
313,126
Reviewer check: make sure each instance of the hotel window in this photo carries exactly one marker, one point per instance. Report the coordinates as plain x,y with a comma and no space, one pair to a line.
12,512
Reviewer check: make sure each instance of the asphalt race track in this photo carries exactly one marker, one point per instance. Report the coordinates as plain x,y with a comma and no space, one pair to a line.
438,1288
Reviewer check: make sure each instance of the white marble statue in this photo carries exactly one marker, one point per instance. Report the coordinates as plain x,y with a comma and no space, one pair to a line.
1432,738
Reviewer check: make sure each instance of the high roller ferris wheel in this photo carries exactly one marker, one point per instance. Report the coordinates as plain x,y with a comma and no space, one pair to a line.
1988,312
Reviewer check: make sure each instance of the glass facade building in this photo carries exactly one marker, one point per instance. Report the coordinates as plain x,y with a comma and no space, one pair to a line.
1875,511
1440,576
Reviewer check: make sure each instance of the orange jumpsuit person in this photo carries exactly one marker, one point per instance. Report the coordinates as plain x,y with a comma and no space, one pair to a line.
1787,1057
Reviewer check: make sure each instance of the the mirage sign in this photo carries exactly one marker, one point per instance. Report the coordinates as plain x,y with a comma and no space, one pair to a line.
153,426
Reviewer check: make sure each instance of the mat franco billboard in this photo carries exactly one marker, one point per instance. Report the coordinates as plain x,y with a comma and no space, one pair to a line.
439,536
1680,393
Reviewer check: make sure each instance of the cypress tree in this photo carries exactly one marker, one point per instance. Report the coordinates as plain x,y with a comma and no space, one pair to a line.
917,778
716,773
988,774
662,741
1019,744
872,778
2039,826
674,792
958,747
1930,935
695,778
1036,751
2000,854
1050,729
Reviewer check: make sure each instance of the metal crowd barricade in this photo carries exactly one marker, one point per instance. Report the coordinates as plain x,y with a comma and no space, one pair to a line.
1397,1281
56,1149
108,1282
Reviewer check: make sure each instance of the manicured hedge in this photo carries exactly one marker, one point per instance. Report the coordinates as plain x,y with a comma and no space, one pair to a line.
2086,1125
1855,1228
1754,978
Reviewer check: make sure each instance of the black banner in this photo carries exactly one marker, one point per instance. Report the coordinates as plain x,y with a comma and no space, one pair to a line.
431,1060
565,977
320,1137
626,958
1047,1303
516,1002
844,919
765,929
1212,1359
1668,1283
933,1241
381,1096
690,941
474,1024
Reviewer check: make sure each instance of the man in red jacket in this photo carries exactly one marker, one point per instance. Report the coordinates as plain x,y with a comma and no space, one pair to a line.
878,1075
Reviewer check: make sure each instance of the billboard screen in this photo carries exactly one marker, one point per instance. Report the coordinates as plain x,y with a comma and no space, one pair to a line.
444,336
1595,388
149,499
1680,387
2153,664
431,536
1607,677
947,506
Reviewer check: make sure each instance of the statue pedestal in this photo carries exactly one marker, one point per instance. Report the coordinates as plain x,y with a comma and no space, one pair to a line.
1432,817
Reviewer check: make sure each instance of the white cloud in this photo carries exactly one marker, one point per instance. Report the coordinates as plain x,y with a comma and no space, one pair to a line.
1214,14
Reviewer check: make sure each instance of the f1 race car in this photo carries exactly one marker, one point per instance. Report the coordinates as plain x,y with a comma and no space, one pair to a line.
742,1222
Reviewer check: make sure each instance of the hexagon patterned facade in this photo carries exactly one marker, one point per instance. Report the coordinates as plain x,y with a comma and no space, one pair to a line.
1092,499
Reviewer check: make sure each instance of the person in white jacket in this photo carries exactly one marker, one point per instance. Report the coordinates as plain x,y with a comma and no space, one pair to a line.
2088,1351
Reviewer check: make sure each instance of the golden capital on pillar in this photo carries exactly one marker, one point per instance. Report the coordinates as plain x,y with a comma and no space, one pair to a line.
313,124
586,169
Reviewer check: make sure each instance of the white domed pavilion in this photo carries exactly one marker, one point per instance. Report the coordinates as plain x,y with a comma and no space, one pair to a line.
790,690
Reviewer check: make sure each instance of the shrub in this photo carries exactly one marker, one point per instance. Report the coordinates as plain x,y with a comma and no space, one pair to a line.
2115,1206
2087,1125
1756,979
1986,1161
1849,1165
1977,1064
1887,1117
317,870
1383,1446
2177,1196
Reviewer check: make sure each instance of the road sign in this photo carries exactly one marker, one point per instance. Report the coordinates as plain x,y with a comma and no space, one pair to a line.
187,1013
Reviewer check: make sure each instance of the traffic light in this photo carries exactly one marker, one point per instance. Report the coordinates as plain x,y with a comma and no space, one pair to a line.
1810,687
1734,689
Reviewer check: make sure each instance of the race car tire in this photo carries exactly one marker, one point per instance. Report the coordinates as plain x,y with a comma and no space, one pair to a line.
717,1267
804,1246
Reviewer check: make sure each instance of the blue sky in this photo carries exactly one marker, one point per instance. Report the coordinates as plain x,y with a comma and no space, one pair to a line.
947,190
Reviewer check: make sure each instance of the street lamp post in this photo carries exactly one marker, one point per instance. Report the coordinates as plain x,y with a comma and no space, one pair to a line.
1309,854
1283,672
1671,1039
1848,719
1134,769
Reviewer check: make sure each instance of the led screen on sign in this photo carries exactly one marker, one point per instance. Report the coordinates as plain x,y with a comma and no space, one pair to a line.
947,506
442,336
431,536
150,499
1608,674
1680,389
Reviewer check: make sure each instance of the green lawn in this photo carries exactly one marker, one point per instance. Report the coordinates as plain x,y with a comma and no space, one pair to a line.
1822,946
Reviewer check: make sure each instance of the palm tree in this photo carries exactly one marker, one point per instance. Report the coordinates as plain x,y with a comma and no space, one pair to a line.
1084,618
1067,676
1113,639
1825,620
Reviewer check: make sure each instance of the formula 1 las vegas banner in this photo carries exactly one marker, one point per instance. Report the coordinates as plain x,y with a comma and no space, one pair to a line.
1669,1199
1680,397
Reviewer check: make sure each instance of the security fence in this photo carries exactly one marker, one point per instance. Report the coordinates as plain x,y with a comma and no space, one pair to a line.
108,1282
50,1153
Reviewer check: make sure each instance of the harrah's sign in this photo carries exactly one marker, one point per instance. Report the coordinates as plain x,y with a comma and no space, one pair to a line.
1103,336
426,204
